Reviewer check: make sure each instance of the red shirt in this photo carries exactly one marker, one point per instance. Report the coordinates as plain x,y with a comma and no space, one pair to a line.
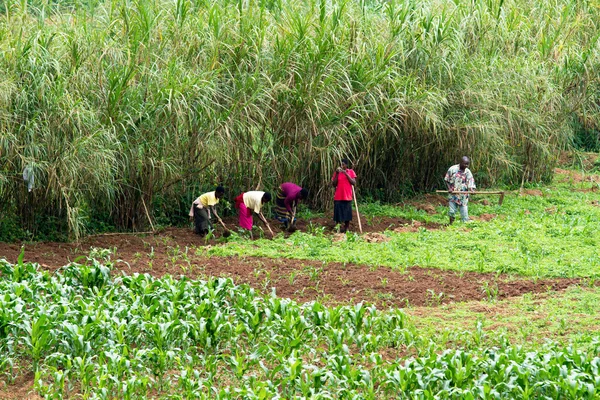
343,190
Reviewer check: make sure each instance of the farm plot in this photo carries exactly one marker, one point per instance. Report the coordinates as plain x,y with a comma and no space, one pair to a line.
84,333
302,280
502,307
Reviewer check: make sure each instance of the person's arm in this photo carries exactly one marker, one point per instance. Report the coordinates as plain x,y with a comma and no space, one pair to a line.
334,181
350,179
288,202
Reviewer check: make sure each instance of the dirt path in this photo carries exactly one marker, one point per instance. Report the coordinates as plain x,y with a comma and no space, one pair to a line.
173,252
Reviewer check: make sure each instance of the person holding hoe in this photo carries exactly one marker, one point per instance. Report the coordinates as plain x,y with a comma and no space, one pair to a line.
343,180
459,181
286,202
249,202
202,209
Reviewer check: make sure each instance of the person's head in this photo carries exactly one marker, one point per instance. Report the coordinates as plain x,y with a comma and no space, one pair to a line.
464,163
219,192
345,163
303,195
266,197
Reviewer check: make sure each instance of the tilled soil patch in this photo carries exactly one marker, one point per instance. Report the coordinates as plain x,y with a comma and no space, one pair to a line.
576,176
20,389
369,225
303,280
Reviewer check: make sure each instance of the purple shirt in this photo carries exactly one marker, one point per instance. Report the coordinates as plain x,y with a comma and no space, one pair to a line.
291,191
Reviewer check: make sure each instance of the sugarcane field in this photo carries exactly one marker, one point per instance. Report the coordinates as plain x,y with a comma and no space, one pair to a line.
320,199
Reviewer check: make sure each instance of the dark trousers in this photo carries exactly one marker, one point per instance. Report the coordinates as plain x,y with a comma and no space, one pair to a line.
201,221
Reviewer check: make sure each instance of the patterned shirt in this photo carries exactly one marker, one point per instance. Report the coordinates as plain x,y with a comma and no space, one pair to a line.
459,181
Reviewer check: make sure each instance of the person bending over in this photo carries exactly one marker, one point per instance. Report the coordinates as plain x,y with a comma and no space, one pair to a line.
286,202
203,208
249,202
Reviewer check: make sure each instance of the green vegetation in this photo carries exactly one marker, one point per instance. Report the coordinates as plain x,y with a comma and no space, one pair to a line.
553,234
86,333
120,106
566,317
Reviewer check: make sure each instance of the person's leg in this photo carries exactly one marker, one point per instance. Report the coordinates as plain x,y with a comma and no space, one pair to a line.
347,215
200,221
464,213
346,226
197,221
336,213
452,210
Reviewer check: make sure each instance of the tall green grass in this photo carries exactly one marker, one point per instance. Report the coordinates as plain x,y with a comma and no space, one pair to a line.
124,105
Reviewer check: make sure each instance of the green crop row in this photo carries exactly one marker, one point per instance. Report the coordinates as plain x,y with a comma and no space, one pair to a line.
88,334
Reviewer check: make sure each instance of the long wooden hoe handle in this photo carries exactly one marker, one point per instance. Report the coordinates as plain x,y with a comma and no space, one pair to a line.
500,200
357,213
475,192
222,223
292,223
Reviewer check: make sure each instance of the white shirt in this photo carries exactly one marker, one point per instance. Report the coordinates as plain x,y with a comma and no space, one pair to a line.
253,200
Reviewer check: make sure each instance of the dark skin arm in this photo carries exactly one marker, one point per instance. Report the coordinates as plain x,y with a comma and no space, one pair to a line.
351,180
213,209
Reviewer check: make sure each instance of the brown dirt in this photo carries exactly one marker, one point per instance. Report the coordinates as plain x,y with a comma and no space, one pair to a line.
575,176
303,280
484,217
376,237
20,389
436,199
413,226
371,224
429,202
590,189
567,159
533,192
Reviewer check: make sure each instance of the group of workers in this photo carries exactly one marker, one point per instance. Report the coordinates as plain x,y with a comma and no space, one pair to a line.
459,181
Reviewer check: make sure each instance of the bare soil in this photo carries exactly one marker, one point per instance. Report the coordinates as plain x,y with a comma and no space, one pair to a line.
532,192
20,389
371,224
575,176
174,252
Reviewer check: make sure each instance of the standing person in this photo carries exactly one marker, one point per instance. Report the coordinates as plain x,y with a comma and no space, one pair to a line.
343,180
249,202
288,196
459,179
202,208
